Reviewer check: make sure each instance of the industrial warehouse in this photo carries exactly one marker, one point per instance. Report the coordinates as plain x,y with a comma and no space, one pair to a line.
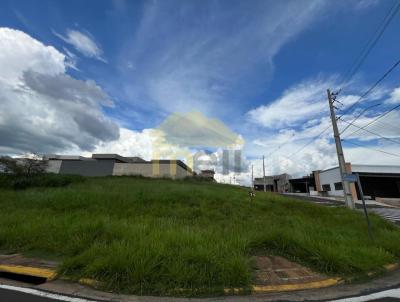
114,164
378,182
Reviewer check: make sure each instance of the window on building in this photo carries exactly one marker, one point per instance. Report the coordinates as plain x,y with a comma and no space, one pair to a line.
338,186
326,187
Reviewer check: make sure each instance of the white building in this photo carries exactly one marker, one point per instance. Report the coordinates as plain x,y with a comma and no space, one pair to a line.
376,181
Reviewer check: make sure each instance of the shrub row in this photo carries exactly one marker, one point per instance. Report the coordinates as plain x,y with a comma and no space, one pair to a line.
11,181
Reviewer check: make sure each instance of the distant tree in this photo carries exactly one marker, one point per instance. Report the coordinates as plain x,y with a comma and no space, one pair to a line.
29,165
9,165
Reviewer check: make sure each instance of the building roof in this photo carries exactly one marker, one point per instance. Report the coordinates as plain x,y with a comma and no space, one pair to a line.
136,159
279,176
370,169
111,156
375,168
119,158
169,161
207,171
65,157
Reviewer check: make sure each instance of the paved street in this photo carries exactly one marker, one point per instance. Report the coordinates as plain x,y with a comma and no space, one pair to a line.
390,214
390,295
15,296
18,294
21,294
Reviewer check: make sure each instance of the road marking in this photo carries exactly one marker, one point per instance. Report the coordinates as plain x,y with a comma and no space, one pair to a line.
389,214
43,294
391,293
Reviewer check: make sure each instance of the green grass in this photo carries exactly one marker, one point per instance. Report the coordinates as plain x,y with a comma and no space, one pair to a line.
159,236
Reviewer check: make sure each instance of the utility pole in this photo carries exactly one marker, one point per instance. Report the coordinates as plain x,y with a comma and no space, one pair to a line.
252,179
339,150
265,184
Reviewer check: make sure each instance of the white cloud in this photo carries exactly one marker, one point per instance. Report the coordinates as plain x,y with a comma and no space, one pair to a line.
394,96
43,108
84,43
70,59
289,123
297,104
19,52
387,126
365,4
129,143
203,66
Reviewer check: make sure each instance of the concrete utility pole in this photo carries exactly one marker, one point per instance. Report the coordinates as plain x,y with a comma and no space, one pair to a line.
252,179
265,183
339,150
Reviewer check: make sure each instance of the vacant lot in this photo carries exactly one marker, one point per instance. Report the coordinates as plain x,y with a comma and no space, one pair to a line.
160,236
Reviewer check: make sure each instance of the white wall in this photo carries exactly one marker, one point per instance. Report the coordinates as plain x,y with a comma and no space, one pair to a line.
53,166
150,170
375,169
330,177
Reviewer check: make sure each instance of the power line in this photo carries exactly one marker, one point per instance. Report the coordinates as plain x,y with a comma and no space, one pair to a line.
372,132
371,43
374,120
368,91
377,150
309,142
280,146
358,116
356,65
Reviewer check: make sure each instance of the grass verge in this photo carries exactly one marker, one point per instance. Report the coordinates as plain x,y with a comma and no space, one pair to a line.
164,237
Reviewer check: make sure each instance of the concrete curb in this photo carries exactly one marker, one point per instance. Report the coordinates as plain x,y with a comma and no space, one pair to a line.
261,289
50,275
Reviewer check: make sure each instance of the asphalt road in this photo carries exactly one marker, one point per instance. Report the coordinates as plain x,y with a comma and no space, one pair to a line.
11,295
391,214
17,295
7,295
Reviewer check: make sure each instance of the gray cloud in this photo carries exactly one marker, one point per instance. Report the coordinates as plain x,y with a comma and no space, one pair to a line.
64,87
43,108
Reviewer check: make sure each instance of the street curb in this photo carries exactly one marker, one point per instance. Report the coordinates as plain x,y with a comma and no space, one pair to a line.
50,274
260,289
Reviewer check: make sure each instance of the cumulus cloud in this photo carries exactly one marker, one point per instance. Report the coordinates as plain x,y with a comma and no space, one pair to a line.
287,126
394,96
84,43
129,143
43,108
296,105
188,137
19,52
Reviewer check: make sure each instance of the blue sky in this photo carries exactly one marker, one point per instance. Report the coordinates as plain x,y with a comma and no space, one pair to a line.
244,63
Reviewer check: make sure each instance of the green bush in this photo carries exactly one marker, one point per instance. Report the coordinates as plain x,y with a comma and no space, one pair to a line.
11,181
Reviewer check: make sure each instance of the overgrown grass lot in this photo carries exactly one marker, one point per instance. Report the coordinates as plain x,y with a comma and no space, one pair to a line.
164,237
